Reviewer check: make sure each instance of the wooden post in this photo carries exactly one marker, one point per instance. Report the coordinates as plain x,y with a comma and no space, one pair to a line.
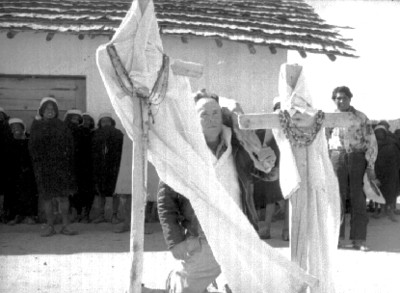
139,156
139,175
138,202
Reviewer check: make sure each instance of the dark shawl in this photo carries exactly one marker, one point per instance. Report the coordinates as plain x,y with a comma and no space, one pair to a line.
106,153
267,192
387,166
77,138
5,140
22,193
84,161
52,149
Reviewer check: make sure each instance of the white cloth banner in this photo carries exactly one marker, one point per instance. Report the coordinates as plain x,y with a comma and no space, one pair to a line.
178,150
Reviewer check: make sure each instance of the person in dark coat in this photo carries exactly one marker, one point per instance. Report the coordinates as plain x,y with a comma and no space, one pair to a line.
106,154
390,135
387,166
73,120
181,228
52,148
5,141
269,193
86,185
21,198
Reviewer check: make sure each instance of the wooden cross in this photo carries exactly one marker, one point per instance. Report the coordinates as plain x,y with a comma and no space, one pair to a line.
269,121
140,145
139,174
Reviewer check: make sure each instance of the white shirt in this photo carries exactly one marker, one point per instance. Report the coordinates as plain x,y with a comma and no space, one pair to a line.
225,168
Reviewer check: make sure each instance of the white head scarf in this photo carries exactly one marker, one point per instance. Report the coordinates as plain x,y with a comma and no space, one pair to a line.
380,127
44,100
16,120
105,115
73,112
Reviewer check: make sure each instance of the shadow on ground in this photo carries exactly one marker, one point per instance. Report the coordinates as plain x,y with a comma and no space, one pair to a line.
25,239
383,235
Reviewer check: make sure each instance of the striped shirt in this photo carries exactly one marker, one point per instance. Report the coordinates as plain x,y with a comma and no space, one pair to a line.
359,137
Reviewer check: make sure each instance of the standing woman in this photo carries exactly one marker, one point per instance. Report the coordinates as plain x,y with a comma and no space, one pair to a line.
73,119
270,192
86,166
387,169
5,140
22,196
51,148
107,151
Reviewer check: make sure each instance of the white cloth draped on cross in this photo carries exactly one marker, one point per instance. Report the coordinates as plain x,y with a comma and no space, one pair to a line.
178,150
306,175
316,212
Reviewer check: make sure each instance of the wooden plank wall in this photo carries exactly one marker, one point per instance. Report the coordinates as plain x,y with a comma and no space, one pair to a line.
20,95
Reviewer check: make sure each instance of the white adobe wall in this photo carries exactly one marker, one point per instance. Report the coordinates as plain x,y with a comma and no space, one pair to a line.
230,71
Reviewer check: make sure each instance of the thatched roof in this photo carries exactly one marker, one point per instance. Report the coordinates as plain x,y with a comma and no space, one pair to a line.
287,24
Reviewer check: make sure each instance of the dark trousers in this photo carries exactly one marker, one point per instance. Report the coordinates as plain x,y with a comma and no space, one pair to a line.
350,169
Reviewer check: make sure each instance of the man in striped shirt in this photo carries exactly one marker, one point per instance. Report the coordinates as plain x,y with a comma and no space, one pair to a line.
353,152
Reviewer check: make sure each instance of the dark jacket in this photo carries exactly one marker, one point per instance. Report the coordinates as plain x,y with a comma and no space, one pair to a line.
106,154
52,150
77,136
267,192
85,163
5,141
21,198
176,214
387,166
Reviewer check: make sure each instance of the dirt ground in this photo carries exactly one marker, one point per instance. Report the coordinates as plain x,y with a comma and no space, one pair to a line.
97,260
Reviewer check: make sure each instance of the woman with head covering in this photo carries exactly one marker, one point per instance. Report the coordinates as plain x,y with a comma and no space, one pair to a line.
387,169
51,147
88,121
5,139
85,167
73,120
269,193
73,117
21,199
3,115
106,154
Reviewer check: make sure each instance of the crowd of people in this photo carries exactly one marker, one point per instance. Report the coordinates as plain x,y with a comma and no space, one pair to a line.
65,163
69,162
